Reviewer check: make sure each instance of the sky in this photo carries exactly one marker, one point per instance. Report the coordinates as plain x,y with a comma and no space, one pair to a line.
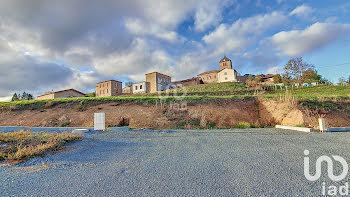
61,44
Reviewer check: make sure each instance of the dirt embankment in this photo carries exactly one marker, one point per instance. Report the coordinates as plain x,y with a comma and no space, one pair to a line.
221,113
304,113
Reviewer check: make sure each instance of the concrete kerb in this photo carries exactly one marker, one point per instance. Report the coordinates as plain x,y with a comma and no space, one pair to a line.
7,129
303,129
338,129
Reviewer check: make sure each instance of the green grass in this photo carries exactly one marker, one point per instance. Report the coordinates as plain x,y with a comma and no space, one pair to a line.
199,93
84,102
214,87
313,93
242,125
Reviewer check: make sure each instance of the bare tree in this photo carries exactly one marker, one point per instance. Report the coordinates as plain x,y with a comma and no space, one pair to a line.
295,67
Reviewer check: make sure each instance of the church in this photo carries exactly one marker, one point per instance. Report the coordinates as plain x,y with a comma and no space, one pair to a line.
225,74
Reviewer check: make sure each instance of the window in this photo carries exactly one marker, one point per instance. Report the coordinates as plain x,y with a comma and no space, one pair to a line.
140,87
107,91
225,73
225,78
135,87
100,92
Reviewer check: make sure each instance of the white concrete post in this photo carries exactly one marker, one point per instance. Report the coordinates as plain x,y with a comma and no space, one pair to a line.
99,122
322,124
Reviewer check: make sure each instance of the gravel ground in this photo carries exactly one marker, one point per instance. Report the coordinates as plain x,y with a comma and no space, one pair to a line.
249,162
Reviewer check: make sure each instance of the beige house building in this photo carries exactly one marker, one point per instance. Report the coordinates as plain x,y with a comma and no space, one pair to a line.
139,88
187,82
127,90
227,75
61,94
157,82
108,88
209,76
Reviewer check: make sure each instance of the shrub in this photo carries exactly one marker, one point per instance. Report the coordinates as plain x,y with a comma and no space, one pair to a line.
65,124
242,125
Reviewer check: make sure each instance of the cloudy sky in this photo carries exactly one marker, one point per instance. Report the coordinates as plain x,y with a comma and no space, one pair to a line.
58,44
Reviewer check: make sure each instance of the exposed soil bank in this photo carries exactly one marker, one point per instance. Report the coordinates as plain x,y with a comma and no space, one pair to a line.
219,113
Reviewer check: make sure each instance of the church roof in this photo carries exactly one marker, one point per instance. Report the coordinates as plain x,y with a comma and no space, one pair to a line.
211,71
224,59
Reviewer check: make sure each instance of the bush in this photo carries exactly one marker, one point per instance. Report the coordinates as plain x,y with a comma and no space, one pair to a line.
242,125
65,124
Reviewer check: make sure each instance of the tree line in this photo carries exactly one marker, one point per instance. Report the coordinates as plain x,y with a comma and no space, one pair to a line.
296,70
24,96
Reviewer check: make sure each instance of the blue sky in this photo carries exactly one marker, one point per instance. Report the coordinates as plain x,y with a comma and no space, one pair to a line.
53,45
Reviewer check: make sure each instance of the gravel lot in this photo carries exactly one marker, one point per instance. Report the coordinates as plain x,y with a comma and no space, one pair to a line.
251,162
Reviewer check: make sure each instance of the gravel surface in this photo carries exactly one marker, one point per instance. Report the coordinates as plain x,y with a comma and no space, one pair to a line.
249,162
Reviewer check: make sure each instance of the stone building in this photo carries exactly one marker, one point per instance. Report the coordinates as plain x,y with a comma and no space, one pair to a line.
218,76
141,87
157,82
243,78
61,94
227,75
187,82
267,79
108,88
225,63
127,90
209,76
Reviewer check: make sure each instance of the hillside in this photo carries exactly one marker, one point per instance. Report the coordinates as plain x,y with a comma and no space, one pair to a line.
201,93
223,105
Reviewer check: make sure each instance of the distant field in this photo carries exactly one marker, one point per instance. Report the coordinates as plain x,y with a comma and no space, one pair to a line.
205,92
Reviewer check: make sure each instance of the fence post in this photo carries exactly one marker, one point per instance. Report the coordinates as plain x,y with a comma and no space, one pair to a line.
322,124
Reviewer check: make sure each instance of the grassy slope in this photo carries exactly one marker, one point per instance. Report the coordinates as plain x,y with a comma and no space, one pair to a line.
204,92
21,145
313,93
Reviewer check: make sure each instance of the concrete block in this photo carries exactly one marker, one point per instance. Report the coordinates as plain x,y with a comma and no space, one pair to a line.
99,122
322,124
303,129
338,129
80,131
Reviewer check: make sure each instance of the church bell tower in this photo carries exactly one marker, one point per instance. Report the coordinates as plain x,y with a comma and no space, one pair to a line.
225,63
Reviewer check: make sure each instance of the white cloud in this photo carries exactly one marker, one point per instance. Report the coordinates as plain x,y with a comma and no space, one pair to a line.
302,11
140,58
274,70
237,36
169,13
297,42
208,14
142,28
5,99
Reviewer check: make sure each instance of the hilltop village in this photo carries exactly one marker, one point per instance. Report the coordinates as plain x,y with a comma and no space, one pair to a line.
156,81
